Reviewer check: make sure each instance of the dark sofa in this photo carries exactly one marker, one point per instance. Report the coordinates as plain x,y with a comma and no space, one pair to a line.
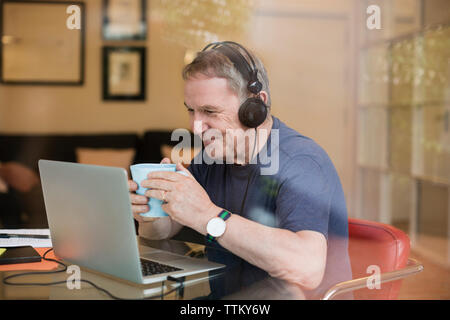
28,149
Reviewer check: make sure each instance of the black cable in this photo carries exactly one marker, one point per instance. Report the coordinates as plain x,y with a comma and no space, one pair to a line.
5,281
180,289
37,273
249,176
254,145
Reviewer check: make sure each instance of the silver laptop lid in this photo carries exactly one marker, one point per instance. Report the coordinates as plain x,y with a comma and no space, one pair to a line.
90,217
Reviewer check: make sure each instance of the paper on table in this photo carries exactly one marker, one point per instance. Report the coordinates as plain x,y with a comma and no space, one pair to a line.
36,243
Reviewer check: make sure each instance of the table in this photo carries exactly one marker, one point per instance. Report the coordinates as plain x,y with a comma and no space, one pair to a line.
194,287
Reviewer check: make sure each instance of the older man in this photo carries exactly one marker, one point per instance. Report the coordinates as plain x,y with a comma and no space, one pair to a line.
278,224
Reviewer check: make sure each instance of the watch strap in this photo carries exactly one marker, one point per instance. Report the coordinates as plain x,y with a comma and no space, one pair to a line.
224,215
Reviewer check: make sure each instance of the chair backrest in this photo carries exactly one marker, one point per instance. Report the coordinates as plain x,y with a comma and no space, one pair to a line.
377,244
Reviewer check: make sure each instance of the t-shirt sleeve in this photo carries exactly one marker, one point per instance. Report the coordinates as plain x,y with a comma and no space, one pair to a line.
303,200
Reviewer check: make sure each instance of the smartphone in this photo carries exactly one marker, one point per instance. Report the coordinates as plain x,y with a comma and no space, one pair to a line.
22,254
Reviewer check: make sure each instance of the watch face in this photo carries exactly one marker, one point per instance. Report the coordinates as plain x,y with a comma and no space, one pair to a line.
216,227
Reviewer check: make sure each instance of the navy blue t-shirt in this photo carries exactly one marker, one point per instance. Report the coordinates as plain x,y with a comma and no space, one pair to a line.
293,186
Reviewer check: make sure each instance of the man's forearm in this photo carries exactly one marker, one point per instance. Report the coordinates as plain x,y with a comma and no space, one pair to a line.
282,253
160,228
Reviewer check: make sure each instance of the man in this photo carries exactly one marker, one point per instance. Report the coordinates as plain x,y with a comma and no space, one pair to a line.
280,224
15,180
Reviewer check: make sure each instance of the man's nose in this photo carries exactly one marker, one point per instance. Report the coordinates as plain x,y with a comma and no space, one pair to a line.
199,126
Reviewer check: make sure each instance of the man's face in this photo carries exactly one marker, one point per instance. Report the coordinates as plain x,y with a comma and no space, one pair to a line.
213,107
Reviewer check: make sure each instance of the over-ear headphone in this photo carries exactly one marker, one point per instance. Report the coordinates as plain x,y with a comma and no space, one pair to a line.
253,111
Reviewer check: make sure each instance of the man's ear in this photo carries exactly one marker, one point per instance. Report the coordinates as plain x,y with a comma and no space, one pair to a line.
263,96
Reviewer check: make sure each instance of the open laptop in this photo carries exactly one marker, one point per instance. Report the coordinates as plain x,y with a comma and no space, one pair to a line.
91,225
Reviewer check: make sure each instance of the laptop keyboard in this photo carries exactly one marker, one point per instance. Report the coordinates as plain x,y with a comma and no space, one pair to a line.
151,267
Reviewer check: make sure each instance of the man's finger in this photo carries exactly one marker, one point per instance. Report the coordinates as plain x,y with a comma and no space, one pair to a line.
183,170
166,160
140,218
132,186
157,184
156,194
140,208
166,175
138,199
148,219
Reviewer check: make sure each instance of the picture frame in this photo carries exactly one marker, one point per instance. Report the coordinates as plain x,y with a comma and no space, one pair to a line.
124,20
38,47
124,73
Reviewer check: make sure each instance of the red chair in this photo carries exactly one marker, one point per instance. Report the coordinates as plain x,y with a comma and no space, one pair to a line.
376,244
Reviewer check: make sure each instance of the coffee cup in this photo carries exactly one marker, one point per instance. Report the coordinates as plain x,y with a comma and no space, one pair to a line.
139,173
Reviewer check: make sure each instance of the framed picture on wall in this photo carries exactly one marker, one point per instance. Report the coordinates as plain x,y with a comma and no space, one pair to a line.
124,75
42,42
124,20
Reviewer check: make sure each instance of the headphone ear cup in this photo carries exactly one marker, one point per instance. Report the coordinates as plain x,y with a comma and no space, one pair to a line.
253,112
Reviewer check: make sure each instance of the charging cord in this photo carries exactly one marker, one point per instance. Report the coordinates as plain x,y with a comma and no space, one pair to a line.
248,178
64,269
180,288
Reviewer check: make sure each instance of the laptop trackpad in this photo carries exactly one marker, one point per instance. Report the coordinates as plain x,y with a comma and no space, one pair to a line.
161,256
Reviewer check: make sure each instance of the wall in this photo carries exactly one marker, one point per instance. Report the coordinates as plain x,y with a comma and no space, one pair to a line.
309,50
72,109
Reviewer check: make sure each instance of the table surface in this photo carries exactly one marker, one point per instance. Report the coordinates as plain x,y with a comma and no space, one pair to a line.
194,287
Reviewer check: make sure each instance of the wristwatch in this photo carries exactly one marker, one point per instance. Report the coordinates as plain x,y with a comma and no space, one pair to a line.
216,226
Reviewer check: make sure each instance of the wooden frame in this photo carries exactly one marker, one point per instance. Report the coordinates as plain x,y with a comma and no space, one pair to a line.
55,59
124,20
124,73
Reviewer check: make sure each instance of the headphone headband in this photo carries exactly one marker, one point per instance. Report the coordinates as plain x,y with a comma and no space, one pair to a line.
216,44
249,72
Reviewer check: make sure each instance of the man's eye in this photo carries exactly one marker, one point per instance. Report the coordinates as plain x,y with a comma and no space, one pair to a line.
190,110
209,111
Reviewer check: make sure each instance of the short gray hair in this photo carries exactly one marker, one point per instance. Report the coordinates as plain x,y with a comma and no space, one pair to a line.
213,63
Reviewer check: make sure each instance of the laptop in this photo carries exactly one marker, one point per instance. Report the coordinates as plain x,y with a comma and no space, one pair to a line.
91,225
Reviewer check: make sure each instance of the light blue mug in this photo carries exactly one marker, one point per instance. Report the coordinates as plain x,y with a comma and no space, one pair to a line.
139,173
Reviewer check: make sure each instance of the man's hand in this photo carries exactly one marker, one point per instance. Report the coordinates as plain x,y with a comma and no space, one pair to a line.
139,204
186,201
18,176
